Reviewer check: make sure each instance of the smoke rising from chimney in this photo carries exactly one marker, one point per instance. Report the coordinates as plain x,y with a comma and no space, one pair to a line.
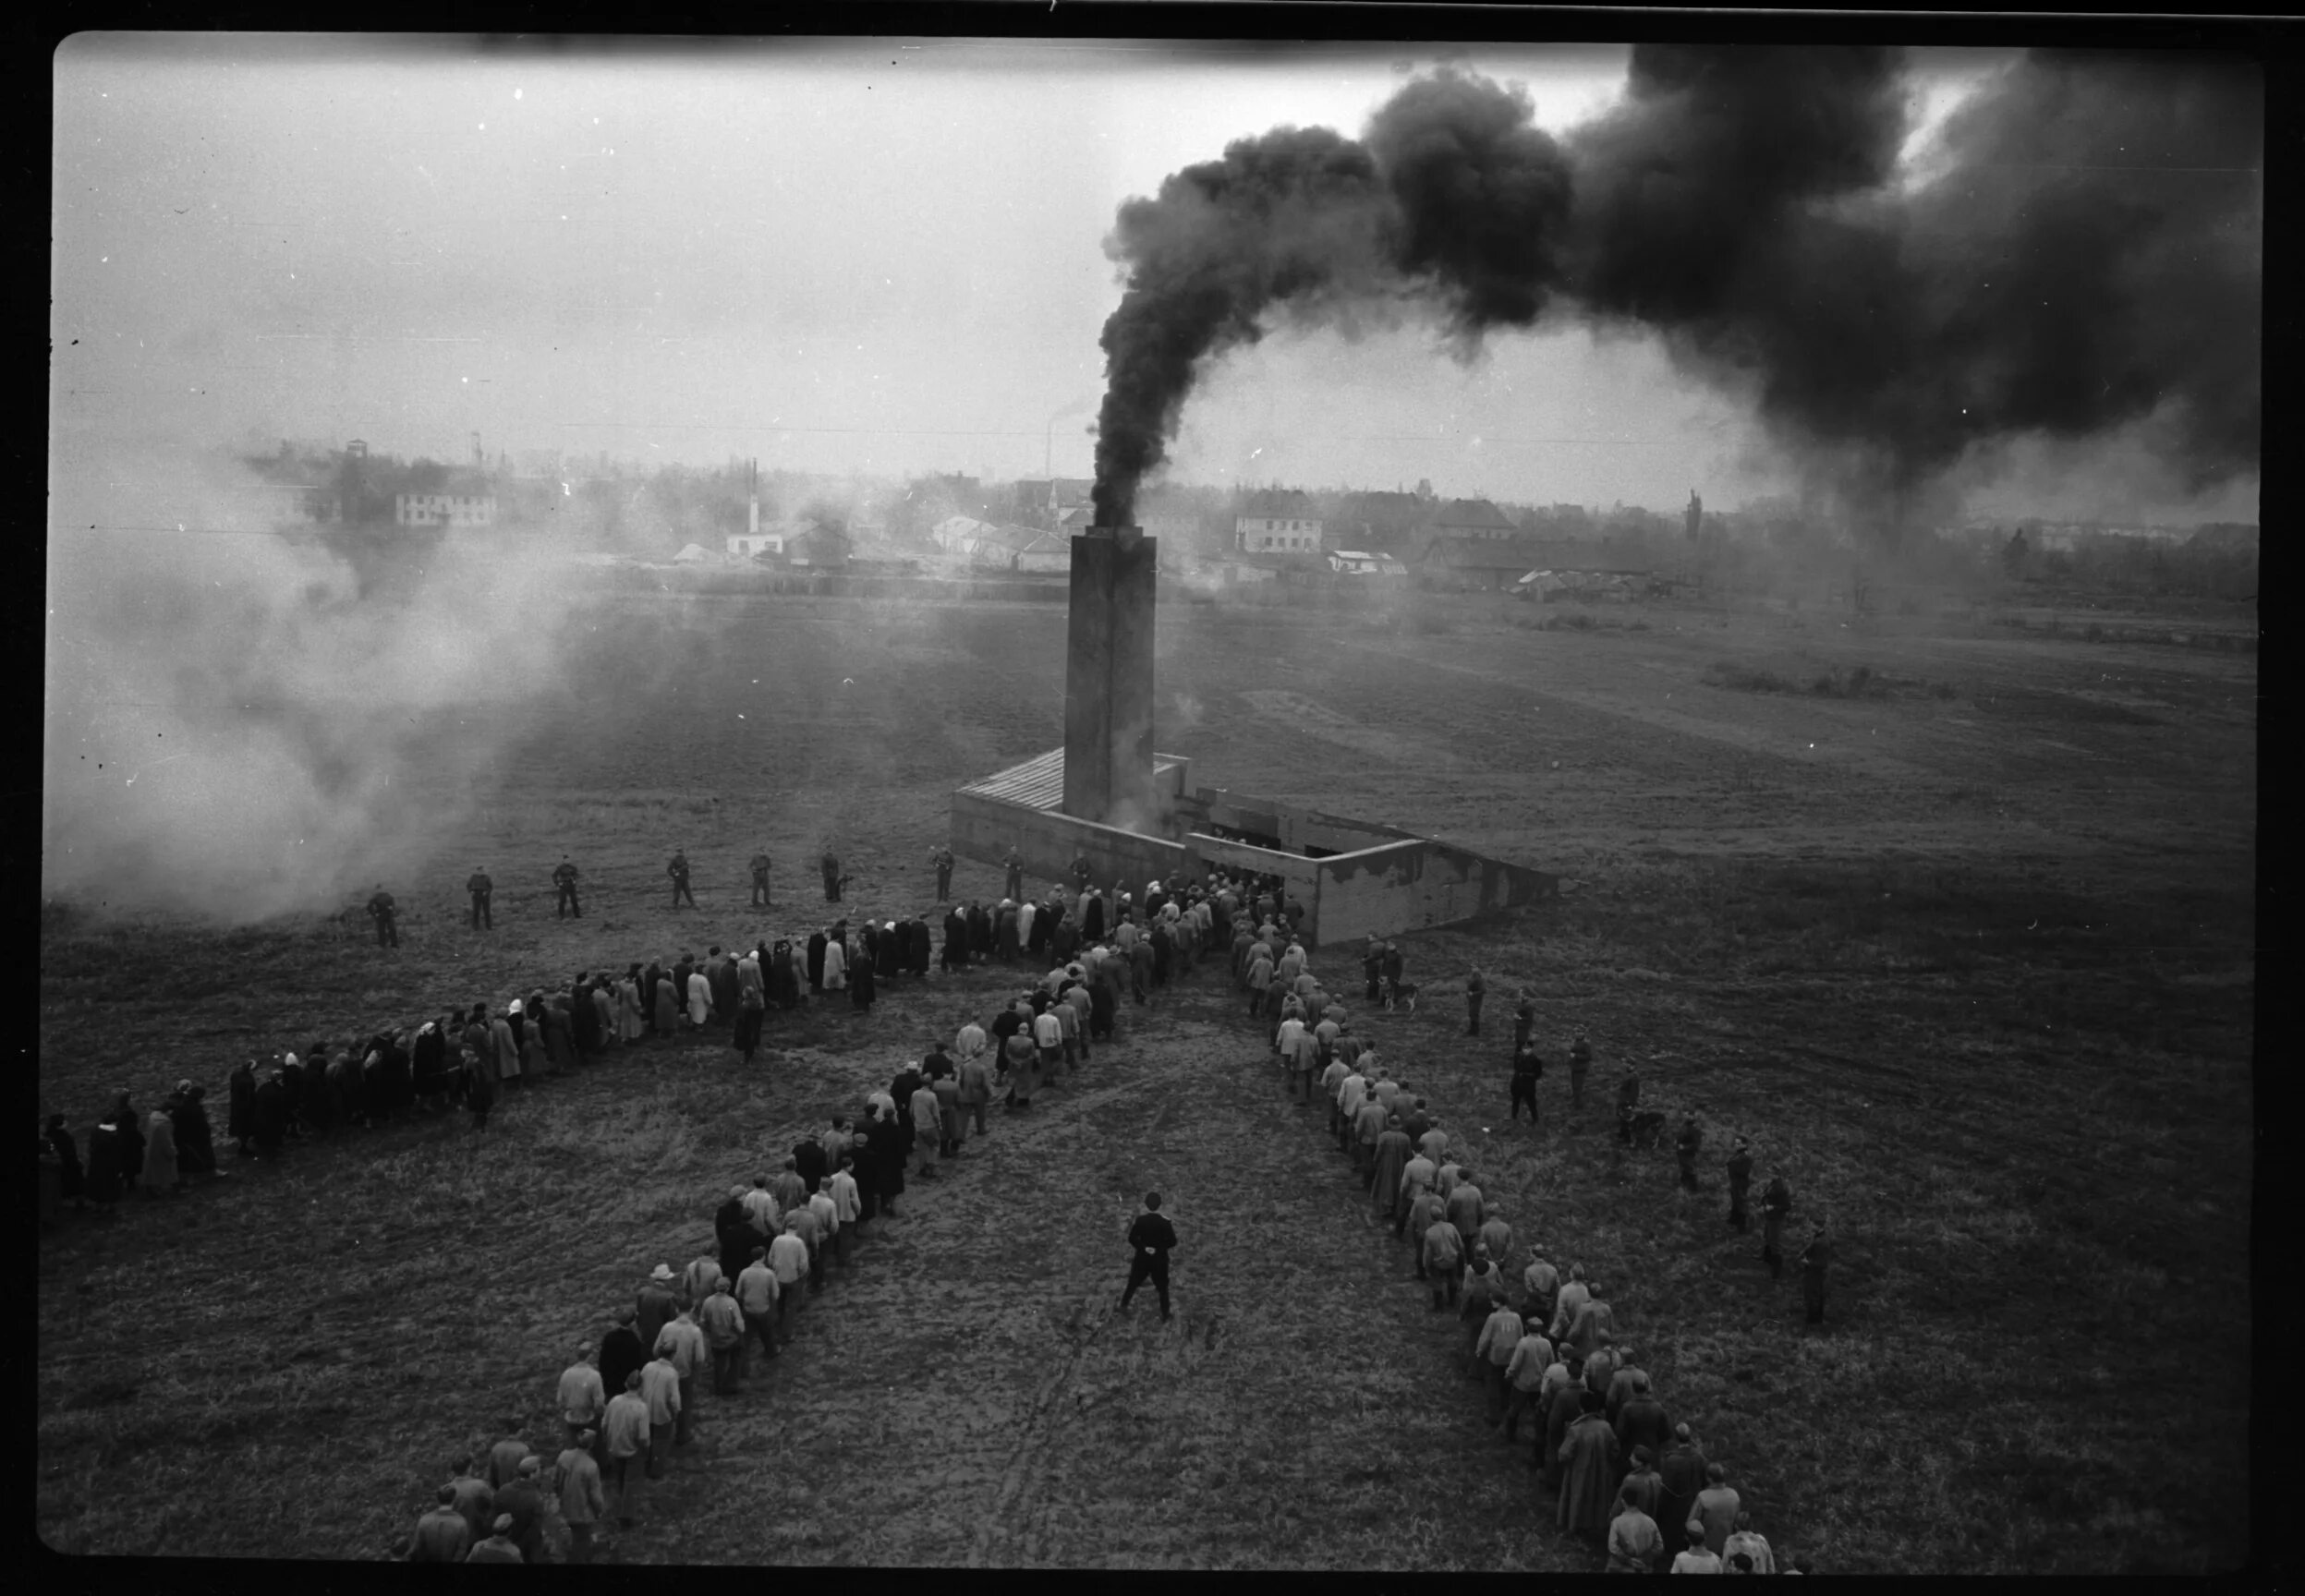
2084,255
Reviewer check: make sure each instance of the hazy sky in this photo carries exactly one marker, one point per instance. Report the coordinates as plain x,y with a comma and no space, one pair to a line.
832,257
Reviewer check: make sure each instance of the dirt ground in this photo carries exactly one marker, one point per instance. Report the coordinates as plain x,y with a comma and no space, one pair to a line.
1974,955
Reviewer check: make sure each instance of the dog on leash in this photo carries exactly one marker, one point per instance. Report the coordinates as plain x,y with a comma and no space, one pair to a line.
1401,996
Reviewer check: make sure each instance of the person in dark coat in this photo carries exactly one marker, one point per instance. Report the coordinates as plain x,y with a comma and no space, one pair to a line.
784,975
59,1140
808,1162
891,1141
196,1140
861,982
104,1164
240,1116
1102,1005
1683,1470
429,1064
1093,918
269,1119
397,1078
1740,1167
816,940
732,1226
1588,1459
1643,1422
479,1088
1568,1404
955,955
980,932
864,1167
131,1131
751,1014
1161,954
1815,1259
891,950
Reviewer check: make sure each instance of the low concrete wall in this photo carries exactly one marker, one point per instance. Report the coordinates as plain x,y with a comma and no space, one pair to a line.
1409,886
986,829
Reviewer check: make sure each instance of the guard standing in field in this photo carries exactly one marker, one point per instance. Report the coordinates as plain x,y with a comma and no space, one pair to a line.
1081,870
381,911
678,871
1150,1238
480,886
1776,1202
1014,881
1474,990
759,868
564,880
1628,1099
1815,1258
942,857
830,866
1526,1067
1580,1066
1739,1168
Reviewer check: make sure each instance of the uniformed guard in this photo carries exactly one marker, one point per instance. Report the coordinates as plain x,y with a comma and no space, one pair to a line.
1014,884
942,857
678,871
381,911
759,868
565,879
1526,1067
1081,870
479,886
831,867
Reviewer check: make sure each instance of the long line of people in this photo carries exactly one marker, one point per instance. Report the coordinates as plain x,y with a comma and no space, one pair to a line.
629,1408
1614,1466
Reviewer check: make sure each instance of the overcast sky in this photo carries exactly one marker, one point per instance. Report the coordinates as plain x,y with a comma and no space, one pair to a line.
832,257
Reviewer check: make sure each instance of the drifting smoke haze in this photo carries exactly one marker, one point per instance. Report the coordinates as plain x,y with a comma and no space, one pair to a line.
234,731
2081,253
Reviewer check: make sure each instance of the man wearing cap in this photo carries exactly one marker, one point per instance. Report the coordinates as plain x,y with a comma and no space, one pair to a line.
442,1535
576,1478
475,1498
504,1459
682,1344
1151,1238
498,1547
1642,1422
1593,1320
696,1281
1540,1284
788,1257
1442,1255
1563,1407
847,1206
927,1129
1368,1123
1416,1179
1392,1159
626,1436
659,1389
582,1397
1466,1208
1619,1387
1525,1373
522,1501
1696,1559
722,1322
1600,1367
1495,1234
1640,1485
1683,1470
1493,1349
480,886
756,1293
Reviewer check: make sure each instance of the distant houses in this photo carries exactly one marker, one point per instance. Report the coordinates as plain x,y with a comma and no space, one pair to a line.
443,509
1276,521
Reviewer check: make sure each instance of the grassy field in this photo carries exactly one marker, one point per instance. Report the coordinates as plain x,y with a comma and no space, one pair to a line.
1971,951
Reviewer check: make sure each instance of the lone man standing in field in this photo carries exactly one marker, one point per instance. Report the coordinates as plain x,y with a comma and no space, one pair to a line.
480,886
1685,1148
1150,1238
678,871
759,868
564,880
1476,989
1580,1066
829,867
381,911
1526,1067
940,856
1776,1204
1014,883
1628,1100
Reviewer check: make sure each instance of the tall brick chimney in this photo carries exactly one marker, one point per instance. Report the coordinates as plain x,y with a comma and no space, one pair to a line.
1109,680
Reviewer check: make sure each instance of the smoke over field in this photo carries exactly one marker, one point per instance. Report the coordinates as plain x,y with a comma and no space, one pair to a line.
2079,252
234,730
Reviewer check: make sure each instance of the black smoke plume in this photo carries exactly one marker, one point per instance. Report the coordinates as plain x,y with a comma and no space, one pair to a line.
2085,254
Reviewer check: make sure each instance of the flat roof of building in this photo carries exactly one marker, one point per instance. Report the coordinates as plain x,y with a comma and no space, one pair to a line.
1039,782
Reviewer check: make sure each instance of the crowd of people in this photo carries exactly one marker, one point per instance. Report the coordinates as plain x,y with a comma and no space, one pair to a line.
1615,1468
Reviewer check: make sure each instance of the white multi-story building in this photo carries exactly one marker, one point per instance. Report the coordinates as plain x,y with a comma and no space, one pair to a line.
1278,523
443,509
